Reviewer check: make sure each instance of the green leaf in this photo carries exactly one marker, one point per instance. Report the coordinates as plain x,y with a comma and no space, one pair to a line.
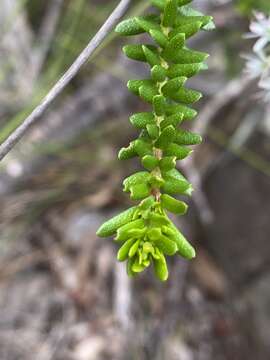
153,131
123,232
173,120
134,248
140,120
154,233
186,56
137,178
208,23
139,191
122,254
131,26
191,16
181,152
166,138
158,3
151,57
147,92
143,148
186,96
188,113
173,205
185,249
172,177
159,105
187,70
161,269
184,137
156,181
130,263
210,26
110,227
165,245
176,174
128,152
175,44
158,220
147,25
167,163
137,267
148,248
135,52
184,2
158,73
171,86
159,38
147,203
134,85
170,13
176,186
137,233
145,137
189,29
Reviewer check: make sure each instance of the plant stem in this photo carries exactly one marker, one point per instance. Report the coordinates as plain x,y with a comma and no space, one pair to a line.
18,133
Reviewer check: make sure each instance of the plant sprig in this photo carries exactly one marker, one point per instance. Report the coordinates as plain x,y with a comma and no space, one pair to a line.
145,232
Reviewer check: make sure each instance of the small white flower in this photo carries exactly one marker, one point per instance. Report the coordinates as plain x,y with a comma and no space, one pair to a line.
260,28
256,65
264,84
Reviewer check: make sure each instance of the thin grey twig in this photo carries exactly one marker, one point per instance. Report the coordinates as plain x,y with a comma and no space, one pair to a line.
18,133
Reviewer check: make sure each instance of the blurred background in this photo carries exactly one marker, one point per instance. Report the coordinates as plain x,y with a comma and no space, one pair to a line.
62,294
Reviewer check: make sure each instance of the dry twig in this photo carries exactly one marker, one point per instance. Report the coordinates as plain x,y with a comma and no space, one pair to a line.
18,133
47,32
208,113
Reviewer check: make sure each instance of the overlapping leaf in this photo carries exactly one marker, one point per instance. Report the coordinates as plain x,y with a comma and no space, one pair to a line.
145,232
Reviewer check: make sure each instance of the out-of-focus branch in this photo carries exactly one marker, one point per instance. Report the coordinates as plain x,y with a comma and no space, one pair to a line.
18,133
200,200
47,32
224,97
207,114
237,141
122,297
15,56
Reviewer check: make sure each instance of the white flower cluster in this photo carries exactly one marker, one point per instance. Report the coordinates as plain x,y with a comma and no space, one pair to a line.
258,63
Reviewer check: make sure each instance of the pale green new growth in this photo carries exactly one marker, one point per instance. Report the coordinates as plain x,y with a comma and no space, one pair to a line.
145,232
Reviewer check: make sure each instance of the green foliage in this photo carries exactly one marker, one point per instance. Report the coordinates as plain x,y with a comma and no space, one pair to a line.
145,231
247,6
